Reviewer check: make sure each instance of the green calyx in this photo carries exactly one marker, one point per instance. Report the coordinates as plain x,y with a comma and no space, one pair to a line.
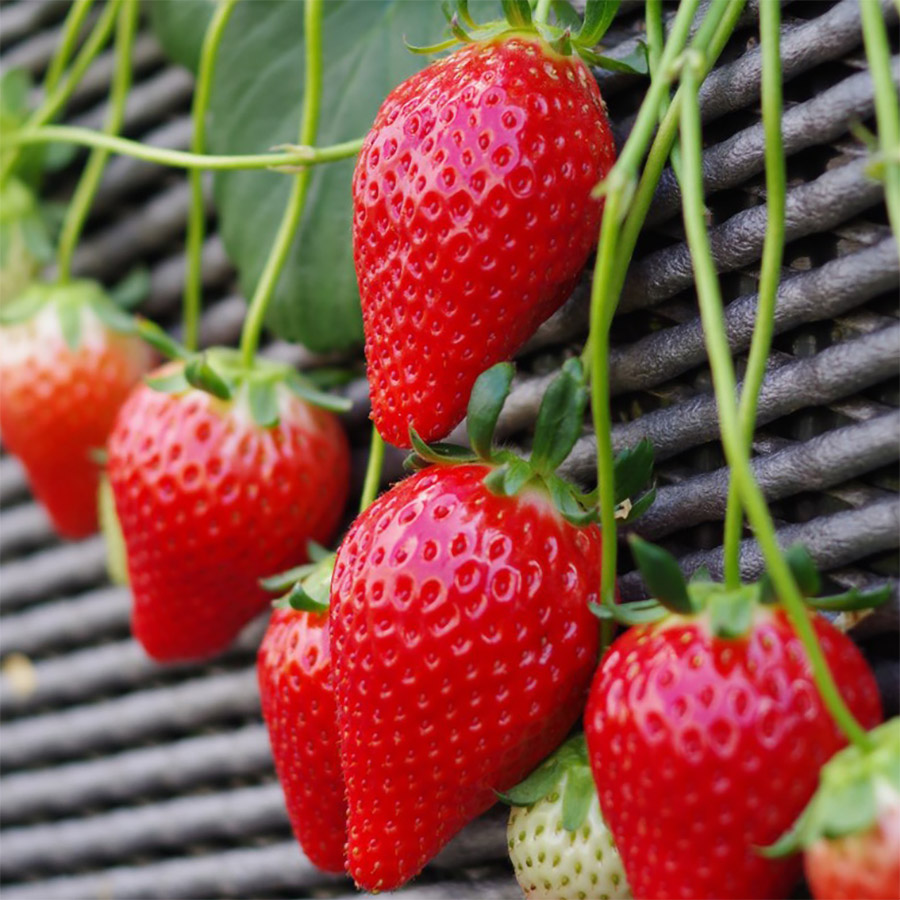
855,786
70,301
569,33
568,770
221,372
307,587
730,610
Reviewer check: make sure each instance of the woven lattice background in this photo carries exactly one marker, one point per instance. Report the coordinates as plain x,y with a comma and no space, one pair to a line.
124,779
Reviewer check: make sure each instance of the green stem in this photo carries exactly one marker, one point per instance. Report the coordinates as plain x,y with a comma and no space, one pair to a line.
656,39
312,98
887,106
71,30
180,159
773,252
541,12
197,213
93,171
53,103
716,337
603,301
373,471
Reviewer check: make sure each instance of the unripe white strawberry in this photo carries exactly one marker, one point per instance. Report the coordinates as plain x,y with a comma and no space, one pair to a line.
558,842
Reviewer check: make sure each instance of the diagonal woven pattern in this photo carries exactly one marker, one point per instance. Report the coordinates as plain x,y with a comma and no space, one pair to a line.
124,779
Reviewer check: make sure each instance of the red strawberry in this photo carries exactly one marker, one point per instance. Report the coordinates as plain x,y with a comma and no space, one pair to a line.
209,500
463,649
473,217
298,705
64,373
700,740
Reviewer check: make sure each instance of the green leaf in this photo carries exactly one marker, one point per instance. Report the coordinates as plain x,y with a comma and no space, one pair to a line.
316,552
662,575
132,289
561,417
641,612
731,613
439,453
598,16
70,323
632,469
160,340
701,576
285,580
300,599
112,315
201,375
488,395
563,496
803,570
634,63
566,15
517,12
306,390
256,100
640,506
25,305
170,383
263,398
535,787
577,796
180,26
852,600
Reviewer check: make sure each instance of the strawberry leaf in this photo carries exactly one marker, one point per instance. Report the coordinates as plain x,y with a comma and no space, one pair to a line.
112,315
577,796
132,289
561,418
517,12
565,500
302,601
170,383
802,568
640,506
157,338
632,469
731,613
488,395
535,787
662,575
263,398
566,14
634,63
439,453
852,600
306,390
25,306
285,580
640,612
201,375
69,315
598,16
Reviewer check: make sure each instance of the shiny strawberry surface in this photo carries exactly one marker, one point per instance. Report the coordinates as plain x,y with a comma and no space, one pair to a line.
704,748
472,219
209,502
463,648
298,705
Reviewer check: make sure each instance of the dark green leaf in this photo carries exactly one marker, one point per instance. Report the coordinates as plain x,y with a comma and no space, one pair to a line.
598,16
803,570
305,389
439,453
635,63
170,383
632,469
263,397
577,796
563,496
132,289
201,375
70,323
488,395
517,12
641,505
661,574
180,26
852,600
256,100
561,418
535,787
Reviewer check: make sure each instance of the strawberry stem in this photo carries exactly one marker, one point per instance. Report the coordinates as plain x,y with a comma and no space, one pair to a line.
55,100
90,178
197,213
373,471
312,97
68,40
773,252
541,12
736,451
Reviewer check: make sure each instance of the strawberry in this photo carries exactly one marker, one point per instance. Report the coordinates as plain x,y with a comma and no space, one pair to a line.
559,845
473,216
850,831
66,367
213,492
705,729
298,704
463,642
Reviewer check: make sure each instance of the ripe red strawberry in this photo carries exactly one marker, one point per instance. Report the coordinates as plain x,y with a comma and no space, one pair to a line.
64,373
705,747
473,217
209,501
298,705
463,647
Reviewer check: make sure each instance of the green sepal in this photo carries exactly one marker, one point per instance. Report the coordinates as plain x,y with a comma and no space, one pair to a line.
170,383
701,576
160,340
634,63
201,375
488,395
517,12
562,44
306,390
132,289
803,569
37,237
565,500
298,599
662,575
535,787
330,377
312,591
112,316
598,16
439,453
561,417
566,15
509,478
69,315
640,506
462,10
281,582
25,306
632,469
262,395
731,612
852,600
577,796
317,552
640,612
428,49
